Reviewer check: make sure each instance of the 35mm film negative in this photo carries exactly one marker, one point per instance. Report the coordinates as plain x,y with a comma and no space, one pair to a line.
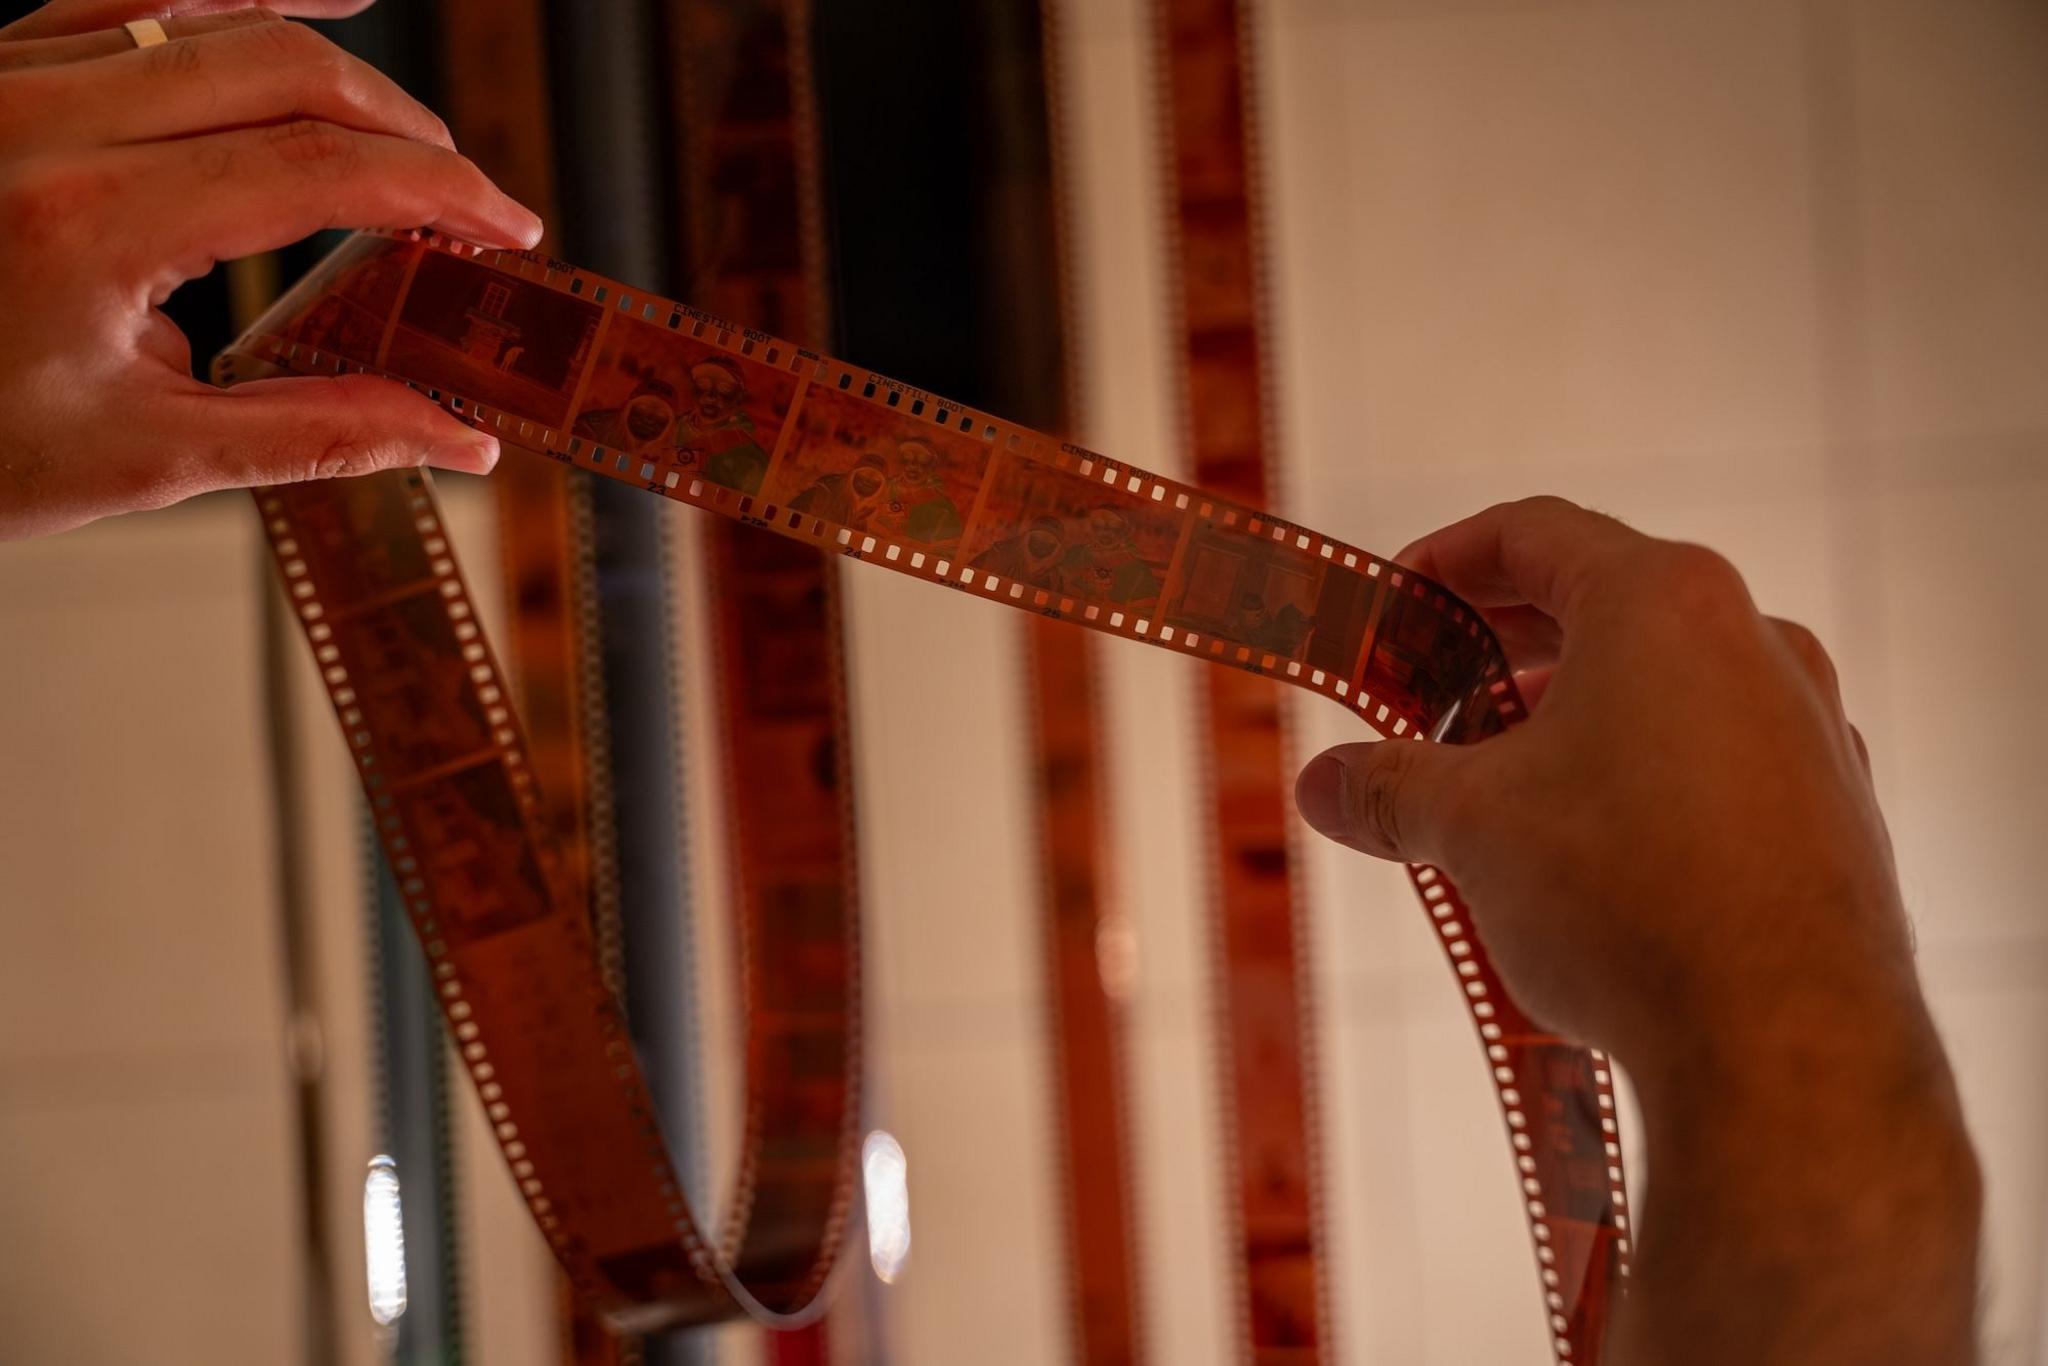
1088,940
1266,1039
780,437
747,168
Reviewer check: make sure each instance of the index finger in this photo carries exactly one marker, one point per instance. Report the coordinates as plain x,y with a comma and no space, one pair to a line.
247,75
232,194
69,18
20,50
1542,552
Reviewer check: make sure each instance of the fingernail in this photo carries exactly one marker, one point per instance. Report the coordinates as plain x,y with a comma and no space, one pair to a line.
475,456
1319,795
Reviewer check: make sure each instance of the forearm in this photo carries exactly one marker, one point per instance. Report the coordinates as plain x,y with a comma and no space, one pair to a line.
1812,1198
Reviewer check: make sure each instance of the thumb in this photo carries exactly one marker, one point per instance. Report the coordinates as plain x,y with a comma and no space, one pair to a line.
288,430
1386,798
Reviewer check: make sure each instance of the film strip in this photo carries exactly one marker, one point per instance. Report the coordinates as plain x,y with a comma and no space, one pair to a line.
1087,940
1265,1026
753,245
512,342
549,570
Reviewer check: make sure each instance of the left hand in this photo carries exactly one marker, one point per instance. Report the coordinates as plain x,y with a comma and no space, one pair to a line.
124,173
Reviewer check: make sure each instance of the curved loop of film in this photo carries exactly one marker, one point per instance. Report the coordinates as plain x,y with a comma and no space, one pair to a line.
702,411
573,978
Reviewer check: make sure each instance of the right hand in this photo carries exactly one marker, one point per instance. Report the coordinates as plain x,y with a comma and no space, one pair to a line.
1680,851
125,172
1678,858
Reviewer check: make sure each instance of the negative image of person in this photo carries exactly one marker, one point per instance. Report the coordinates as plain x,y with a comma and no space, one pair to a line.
1105,564
638,425
715,434
1032,556
855,499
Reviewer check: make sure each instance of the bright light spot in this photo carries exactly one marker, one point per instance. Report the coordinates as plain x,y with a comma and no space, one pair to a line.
384,1241
1116,955
884,1177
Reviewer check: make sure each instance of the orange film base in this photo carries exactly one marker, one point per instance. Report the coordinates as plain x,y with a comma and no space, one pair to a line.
602,377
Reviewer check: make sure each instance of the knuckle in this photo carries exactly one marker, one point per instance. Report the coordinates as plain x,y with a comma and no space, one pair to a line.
353,84
1800,637
323,59
342,77
170,60
289,42
249,16
1544,503
1804,643
1696,578
1807,647
1379,794
316,147
342,456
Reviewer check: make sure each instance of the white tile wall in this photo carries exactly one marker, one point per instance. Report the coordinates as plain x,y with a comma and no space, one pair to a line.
1771,276
1544,233
1148,699
144,1097
1765,276
956,1006
150,1222
1953,170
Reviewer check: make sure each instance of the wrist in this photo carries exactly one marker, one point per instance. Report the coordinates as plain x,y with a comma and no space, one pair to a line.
1812,1197
1833,1115
1815,1002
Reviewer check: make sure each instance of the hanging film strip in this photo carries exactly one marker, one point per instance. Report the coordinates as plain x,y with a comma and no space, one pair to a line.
549,571
1265,1025
753,246
1088,941
518,344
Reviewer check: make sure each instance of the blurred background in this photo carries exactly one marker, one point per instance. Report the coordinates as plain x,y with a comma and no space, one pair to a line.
1767,274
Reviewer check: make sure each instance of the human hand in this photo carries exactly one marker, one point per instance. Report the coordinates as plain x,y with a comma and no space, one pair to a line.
125,172
1679,858
1683,831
